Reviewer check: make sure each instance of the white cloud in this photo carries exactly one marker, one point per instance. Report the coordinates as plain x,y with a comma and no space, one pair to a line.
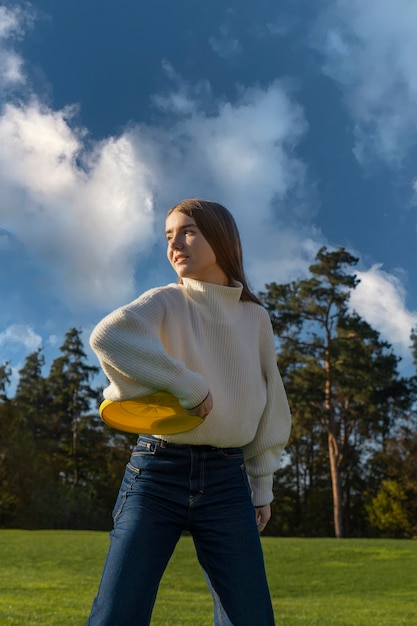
414,188
285,256
38,150
85,224
370,48
85,212
88,215
223,43
82,215
18,335
241,154
4,241
246,147
281,26
183,98
226,47
380,299
13,22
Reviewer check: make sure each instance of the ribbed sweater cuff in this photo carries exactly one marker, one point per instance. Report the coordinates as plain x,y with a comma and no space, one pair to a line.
262,489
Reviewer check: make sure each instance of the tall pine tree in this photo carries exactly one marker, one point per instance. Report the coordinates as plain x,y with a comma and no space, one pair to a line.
338,376
72,399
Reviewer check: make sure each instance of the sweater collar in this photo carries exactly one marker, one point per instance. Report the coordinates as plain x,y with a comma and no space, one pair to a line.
220,301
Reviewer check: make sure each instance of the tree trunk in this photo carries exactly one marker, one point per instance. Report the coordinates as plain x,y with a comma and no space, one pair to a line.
332,444
336,489
75,436
75,450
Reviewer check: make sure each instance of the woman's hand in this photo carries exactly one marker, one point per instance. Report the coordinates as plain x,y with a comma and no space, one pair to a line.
263,515
203,409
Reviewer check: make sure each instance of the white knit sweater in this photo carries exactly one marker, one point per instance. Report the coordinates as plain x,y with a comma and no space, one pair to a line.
191,338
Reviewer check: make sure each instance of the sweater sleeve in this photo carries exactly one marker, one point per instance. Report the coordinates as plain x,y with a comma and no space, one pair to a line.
128,345
263,453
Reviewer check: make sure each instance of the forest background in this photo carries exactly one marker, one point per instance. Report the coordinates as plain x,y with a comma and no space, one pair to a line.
349,470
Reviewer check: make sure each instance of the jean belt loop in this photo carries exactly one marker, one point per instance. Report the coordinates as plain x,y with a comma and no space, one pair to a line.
152,447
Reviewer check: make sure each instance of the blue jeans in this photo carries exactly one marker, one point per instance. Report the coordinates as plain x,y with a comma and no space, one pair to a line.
167,489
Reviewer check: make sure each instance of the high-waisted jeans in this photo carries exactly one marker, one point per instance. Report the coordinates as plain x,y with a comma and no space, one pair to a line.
167,489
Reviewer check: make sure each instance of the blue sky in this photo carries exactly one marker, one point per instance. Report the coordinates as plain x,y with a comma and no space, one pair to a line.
299,116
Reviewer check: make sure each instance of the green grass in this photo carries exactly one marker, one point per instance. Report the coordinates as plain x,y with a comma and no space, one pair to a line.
49,578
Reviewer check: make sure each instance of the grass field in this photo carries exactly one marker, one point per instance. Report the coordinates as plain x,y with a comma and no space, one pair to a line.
49,578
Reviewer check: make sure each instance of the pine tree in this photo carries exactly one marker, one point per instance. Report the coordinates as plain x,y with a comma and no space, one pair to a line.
392,507
339,378
16,455
31,397
5,374
72,399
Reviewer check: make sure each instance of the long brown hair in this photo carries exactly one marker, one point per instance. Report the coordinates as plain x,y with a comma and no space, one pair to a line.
218,227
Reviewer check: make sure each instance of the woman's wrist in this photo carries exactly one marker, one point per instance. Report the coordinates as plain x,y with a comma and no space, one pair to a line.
200,403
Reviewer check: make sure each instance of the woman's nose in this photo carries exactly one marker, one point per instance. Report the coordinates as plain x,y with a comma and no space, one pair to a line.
176,242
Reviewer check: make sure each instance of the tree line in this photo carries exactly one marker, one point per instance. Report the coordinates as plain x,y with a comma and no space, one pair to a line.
349,470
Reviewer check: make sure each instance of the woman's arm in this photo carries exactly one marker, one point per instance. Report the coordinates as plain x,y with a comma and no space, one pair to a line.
134,359
263,453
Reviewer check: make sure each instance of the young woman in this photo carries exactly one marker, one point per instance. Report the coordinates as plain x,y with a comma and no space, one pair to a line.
208,341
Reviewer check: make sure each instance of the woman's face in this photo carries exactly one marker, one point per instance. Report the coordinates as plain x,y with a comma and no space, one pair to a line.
188,251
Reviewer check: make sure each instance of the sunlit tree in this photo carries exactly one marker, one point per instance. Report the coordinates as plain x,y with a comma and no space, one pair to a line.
339,378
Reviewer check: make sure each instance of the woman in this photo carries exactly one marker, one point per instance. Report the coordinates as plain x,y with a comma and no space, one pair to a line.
208,341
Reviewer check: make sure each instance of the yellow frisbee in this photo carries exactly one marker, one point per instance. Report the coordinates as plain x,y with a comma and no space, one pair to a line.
157,414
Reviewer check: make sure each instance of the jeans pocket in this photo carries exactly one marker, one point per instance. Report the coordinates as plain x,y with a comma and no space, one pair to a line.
246,480
128,481
230,453
144,449
232,462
